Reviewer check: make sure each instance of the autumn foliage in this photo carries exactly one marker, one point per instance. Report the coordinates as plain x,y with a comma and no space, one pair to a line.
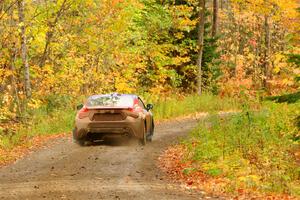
55,53
73,48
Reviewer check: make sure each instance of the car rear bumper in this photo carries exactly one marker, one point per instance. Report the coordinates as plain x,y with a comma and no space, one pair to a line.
129,126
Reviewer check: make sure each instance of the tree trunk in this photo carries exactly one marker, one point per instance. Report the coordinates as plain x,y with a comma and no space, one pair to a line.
200,43
266,61
24,56
13,82
215,18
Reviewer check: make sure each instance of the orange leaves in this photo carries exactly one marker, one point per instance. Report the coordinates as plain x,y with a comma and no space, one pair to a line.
180,169
28,144
247,56
171,162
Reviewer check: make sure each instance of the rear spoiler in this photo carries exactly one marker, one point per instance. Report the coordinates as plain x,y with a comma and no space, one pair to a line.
128,112
108,108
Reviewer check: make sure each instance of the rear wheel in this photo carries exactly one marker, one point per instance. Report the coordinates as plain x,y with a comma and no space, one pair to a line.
150,135
143,140
149,138
81,142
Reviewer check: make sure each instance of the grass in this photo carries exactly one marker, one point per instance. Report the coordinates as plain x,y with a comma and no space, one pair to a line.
41,123
253,150
167,108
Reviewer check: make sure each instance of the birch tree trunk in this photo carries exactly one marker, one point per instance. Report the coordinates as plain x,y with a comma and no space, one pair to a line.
200,43
24,56
14,53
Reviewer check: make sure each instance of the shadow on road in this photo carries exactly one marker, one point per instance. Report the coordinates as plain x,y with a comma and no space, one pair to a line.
114,141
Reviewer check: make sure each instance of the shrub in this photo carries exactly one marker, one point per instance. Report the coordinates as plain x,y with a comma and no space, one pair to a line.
253,149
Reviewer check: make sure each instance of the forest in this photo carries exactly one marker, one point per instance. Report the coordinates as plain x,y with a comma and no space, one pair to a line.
185,56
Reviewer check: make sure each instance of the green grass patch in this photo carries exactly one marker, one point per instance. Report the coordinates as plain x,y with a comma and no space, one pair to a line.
251,149
175,106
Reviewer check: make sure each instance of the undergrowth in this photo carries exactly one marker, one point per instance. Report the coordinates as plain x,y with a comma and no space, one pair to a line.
175,106
41,123
254,150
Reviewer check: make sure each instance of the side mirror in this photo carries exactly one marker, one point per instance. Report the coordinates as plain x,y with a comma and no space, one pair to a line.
149,106
79,106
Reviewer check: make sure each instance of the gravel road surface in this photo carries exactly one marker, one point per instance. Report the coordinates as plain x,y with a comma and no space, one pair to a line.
117,168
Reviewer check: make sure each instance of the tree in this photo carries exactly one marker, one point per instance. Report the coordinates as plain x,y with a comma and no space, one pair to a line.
24,56
214,30
50,32
267,48
200,43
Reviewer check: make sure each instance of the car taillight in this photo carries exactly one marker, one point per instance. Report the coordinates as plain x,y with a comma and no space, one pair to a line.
135,107
83,112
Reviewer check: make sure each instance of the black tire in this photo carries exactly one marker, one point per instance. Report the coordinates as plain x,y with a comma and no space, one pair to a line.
149,138
74,133
143,140
150,135
80,142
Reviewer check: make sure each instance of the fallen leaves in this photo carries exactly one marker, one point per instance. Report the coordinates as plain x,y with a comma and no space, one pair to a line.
8,156
173,162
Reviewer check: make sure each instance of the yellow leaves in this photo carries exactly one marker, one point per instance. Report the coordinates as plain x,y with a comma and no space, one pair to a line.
125,80
279,62
180,60
90,3
122,87
5,113
181,17
1,72
34,103
276,69
250,56
288,82
250,180
280,10
157,89
21,24
5,73
179,35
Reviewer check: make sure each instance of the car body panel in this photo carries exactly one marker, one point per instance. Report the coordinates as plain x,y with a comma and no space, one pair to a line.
114,120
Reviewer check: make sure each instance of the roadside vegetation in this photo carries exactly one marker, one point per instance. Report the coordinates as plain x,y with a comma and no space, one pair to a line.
179,105
252,151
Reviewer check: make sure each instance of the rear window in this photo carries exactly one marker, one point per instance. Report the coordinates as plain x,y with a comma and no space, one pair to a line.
110,101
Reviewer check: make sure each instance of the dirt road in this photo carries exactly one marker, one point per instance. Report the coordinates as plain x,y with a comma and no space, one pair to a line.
114,169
